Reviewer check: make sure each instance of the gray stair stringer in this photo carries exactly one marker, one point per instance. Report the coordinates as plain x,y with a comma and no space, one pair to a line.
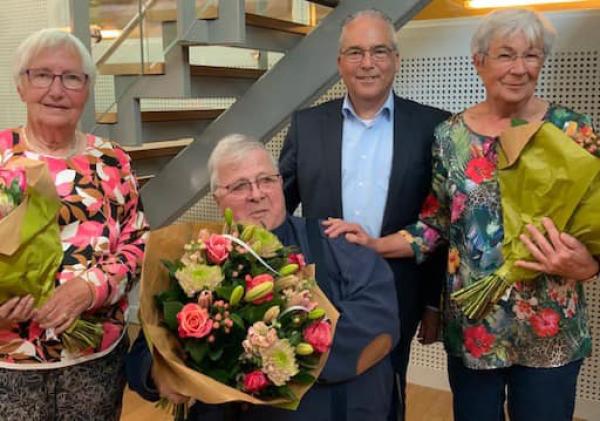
296,80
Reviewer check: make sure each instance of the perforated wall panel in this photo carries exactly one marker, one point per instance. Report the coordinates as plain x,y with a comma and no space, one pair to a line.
17,20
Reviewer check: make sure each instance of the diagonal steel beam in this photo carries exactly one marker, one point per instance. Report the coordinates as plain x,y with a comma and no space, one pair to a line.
295,81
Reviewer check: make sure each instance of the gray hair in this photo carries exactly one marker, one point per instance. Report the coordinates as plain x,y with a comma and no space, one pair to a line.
50,39
372,13
233,148
505,22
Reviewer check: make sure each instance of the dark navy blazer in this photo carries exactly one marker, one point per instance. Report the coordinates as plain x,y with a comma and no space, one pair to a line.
311,162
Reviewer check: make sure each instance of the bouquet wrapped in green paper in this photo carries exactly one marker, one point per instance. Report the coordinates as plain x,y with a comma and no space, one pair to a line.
31,250
542,172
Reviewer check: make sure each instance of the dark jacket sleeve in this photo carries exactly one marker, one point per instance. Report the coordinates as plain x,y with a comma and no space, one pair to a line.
288,166
137,367
365,297
434,270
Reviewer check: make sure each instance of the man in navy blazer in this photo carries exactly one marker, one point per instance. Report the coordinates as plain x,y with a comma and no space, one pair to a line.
366,159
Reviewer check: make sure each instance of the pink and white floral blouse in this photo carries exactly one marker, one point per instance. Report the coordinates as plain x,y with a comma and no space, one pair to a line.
103,232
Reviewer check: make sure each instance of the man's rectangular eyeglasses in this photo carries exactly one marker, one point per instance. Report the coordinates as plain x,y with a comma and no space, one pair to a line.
243,187
377,53
508,59
41,78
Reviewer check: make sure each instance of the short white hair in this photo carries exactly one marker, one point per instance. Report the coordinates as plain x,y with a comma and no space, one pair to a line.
371,13
232,149
51,39
505,22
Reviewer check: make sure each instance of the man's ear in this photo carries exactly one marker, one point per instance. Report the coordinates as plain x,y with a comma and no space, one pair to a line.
478,59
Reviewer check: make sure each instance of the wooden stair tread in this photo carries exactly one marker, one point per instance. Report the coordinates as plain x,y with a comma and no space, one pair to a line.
157,149
252,19
228,72
124,69
170,14
267,22
168,115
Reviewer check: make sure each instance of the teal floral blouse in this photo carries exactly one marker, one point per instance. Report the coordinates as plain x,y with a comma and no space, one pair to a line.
542,323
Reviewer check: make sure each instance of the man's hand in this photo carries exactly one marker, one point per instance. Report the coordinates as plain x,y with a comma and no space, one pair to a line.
17,309
165,392
65,305
429,329
354,233
558,253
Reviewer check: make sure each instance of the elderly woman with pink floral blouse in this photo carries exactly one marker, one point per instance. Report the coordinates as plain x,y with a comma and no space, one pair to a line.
102,230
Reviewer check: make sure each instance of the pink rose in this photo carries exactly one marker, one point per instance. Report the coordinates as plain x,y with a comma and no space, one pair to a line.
318,334
297,258
217,249
194,321
255,381
257,280
8,176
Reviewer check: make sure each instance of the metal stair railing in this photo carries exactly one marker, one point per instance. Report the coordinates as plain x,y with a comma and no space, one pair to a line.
292,83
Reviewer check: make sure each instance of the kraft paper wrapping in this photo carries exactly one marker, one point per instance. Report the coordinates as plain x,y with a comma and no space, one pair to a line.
167,243
30,250
543,172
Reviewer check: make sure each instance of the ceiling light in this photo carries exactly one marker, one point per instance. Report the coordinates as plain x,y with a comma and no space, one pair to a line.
482,4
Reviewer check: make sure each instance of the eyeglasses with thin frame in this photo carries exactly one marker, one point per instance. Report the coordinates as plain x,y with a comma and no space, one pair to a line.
532,58
42,78
243,187
377,53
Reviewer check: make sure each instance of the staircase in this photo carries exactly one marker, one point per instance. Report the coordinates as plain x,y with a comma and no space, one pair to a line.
264,99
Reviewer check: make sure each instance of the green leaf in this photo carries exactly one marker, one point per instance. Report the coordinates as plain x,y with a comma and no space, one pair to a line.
197,349
286,392
309,361
237,321
304,378
215,354
170,310
218,375
172,267
224,291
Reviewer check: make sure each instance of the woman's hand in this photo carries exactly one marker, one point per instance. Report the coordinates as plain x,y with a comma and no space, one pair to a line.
64,306
558,253
17,309
354,233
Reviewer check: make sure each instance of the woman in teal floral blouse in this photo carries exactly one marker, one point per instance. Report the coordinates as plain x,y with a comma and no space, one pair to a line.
532,343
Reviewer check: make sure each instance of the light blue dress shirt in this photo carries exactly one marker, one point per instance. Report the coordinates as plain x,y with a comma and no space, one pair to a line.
367,149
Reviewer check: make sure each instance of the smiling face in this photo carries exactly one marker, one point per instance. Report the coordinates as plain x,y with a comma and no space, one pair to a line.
368,81
510,82
54,106
263,206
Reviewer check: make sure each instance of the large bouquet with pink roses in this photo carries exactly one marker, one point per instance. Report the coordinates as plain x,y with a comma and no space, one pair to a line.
243,310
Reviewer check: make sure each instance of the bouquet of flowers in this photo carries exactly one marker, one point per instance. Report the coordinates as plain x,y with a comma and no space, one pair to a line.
31,250
28,208
541,172
234,316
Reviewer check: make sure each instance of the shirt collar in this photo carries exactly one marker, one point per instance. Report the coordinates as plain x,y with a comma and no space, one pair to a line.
387,109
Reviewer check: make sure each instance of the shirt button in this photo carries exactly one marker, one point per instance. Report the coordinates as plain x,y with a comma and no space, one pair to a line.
356,212
360,184
363,157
